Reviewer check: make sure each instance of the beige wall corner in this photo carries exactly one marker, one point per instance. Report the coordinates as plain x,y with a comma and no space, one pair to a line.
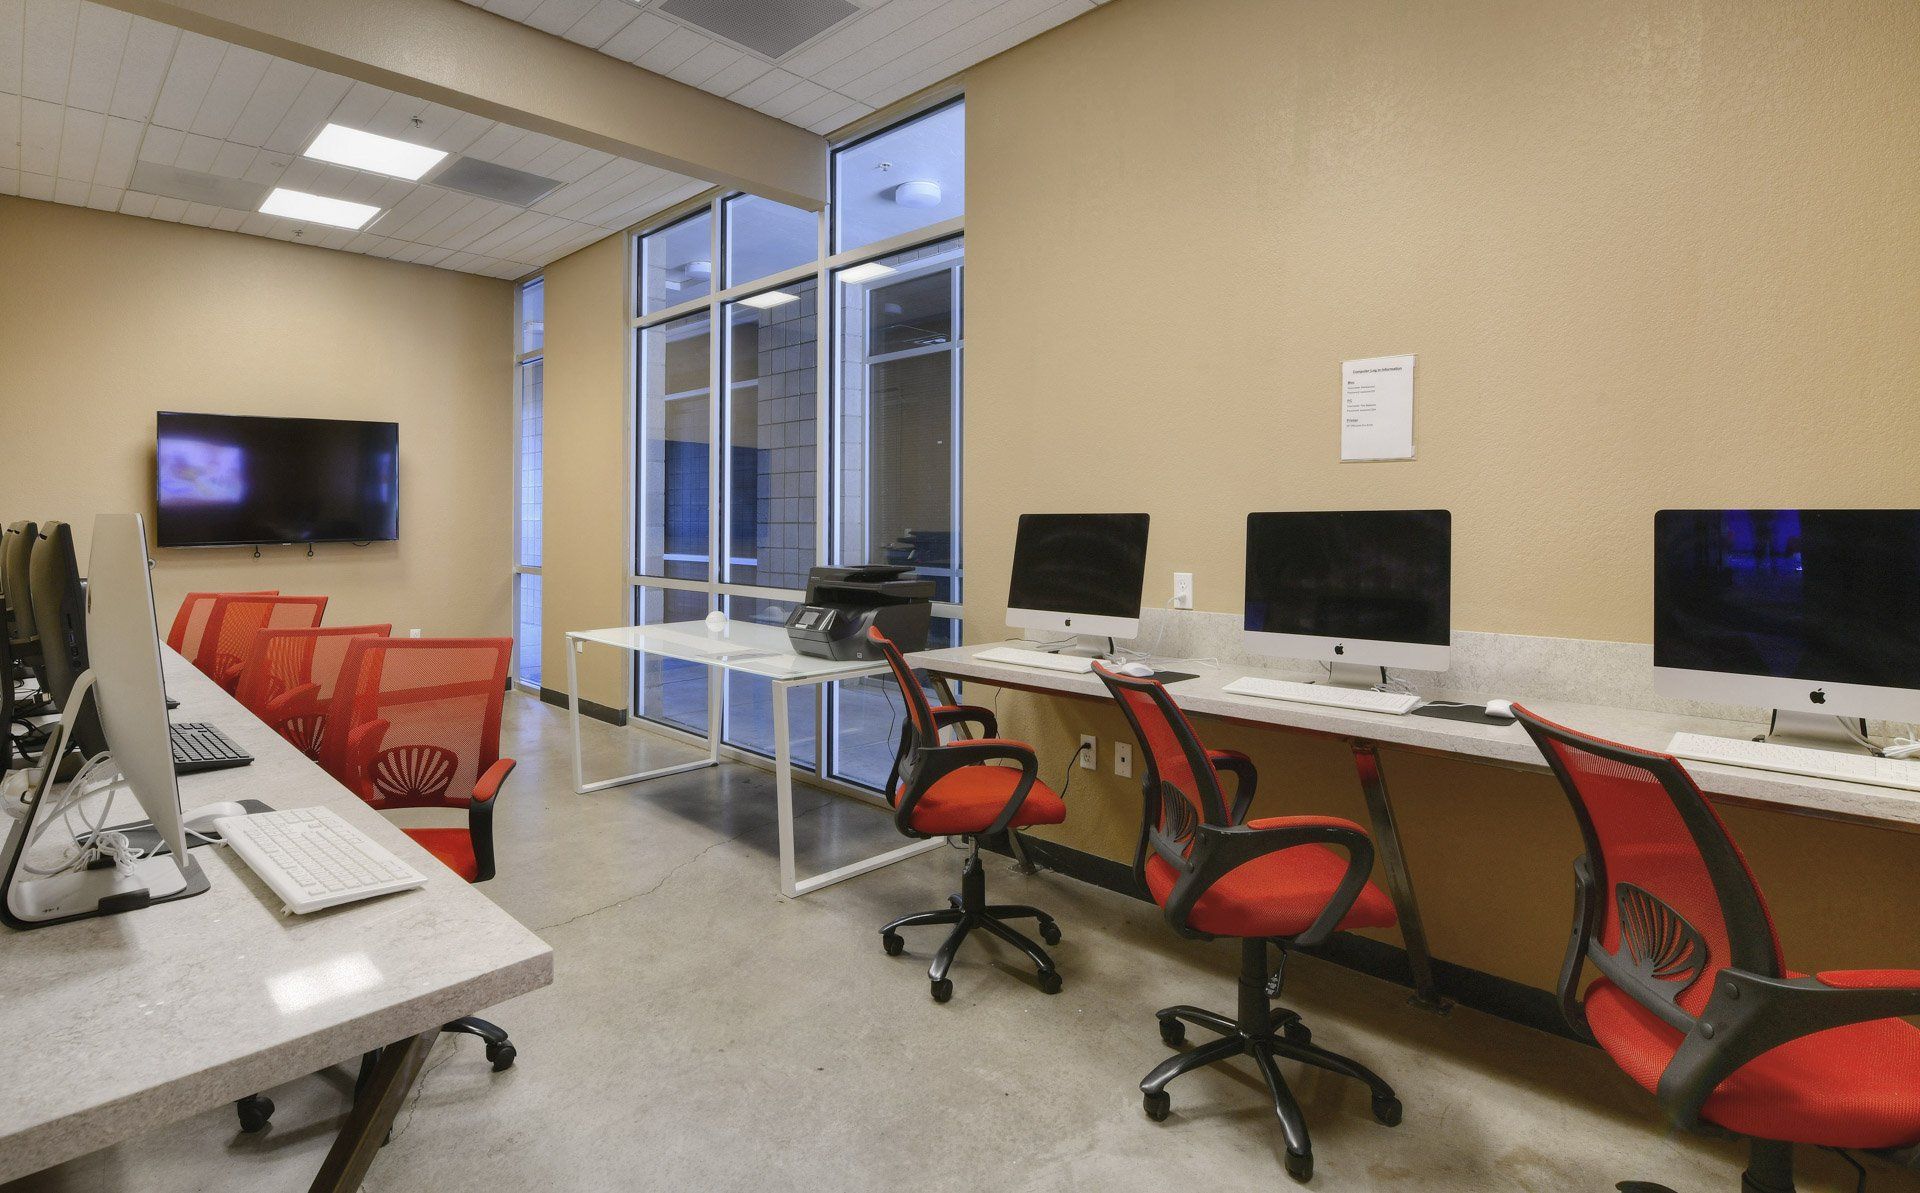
470,59
587,440
106,319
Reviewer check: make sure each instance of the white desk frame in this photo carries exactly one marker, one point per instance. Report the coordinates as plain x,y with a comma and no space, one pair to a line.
747,648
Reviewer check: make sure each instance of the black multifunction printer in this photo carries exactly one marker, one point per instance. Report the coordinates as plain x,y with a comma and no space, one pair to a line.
843,602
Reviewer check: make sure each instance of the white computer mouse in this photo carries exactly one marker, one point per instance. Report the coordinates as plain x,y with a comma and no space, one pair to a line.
200,820
1500,708
1136,670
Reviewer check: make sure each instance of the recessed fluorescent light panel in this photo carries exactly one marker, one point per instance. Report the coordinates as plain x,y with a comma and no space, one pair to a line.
373,153
871,271
317,209
769,300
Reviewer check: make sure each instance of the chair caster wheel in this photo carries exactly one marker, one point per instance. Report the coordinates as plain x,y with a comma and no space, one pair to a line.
955,902
1158,1106
255,1110
501,1056
1050,981
1297,1032
942,990
1641,1187
1300,1166
1386,1111
891,942
1173,1033
1049,932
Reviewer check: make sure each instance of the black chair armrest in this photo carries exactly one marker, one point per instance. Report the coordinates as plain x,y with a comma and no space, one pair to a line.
1218,851
1246,778
486,793
1749,1015
966,714
933,764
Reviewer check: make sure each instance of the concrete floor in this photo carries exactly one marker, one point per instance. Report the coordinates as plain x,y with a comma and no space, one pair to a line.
705,1033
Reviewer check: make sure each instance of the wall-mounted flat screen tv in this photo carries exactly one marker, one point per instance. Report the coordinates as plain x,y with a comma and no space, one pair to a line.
234,480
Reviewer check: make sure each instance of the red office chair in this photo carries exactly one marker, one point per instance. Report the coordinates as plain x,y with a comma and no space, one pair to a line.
237,616
1216,873
190,623
415,723
951,789
289,677
1694,1000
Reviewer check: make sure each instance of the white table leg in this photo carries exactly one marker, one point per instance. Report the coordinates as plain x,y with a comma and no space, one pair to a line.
580,784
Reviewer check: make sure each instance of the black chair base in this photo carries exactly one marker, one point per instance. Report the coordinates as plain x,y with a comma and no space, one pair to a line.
1267,1034
967,912
256,1110
1769,1170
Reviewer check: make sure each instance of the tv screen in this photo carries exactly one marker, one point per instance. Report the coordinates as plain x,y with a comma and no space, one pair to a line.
228,480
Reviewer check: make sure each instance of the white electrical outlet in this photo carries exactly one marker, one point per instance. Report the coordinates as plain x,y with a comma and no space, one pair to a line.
1123,759
1183,590
414,633
1089,752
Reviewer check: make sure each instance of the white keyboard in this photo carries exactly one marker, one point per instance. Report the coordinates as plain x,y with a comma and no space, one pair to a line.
314,859
1797,760
1326,695
1078,664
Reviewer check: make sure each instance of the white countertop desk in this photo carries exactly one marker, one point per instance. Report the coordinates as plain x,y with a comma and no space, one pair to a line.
748,648
118,1025
1498,745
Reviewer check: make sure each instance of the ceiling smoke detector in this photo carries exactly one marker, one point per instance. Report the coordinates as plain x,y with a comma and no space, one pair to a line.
920,192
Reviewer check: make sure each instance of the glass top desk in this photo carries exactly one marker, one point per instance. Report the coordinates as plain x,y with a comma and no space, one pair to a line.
748,648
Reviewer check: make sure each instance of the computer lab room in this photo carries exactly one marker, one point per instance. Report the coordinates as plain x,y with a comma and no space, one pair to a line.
959,595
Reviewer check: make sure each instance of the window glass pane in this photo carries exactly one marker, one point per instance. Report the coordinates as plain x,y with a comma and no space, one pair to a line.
765,237
907,177
527,636
898,381
749,713
867,717
674,450
670,691
533,315
531,495
676,263
772,437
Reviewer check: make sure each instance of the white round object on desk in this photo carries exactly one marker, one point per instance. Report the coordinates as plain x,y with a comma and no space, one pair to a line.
716,621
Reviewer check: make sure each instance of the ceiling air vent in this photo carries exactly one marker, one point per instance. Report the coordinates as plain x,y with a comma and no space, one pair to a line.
171,182
502,184
770,28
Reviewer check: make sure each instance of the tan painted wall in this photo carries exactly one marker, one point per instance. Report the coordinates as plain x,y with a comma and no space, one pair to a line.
1649,254
105,319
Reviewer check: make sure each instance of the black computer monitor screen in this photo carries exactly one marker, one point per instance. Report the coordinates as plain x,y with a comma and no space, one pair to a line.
1090,565
1382,575
230,480
1820,595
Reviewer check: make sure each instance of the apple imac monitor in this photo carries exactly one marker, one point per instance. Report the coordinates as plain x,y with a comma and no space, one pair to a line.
1812,613
1081,573
59,602
1366,588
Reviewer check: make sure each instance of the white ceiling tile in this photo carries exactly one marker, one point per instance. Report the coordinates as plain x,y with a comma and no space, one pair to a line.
464,131
268,168
36,186
554,160
105,198
197,153
523,151
915,33
161,145
360,105
196,60
460,261
794,98
13,30
489,220
200,215
229,221
136,203
233,160
582,165
279,88
730,79
70,191
602,21
100,40
677,47
932,52
647,30
40,126
711,59
9,132
442,205
309,113
143,68
9,181
513,10
878,22
50,31
840,119
396,116
119,150
826,105
494,142
557,16
80,145
458,220
765,88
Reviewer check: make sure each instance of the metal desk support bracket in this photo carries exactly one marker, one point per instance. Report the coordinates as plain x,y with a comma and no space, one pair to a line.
1386,836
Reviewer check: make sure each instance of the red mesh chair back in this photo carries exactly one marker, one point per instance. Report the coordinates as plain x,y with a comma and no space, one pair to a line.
236,617
1666,899
190,623
414,722
1179,786
920,724
289,677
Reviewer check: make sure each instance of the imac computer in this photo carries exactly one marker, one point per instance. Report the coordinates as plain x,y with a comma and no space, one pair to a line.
1814,614
123,683
1079,573
60,616
1359,590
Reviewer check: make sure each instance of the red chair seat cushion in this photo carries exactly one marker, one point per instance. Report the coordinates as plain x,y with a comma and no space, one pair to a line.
1280,894
453,846
970,799
1850,1087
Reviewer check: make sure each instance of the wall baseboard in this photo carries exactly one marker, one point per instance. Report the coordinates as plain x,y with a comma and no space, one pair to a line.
1501,997
599,712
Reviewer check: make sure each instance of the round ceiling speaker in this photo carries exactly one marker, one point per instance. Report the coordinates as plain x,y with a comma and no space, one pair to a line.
918,193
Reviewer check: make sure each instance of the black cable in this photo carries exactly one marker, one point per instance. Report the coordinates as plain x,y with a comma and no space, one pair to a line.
1067,780
1860,1170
